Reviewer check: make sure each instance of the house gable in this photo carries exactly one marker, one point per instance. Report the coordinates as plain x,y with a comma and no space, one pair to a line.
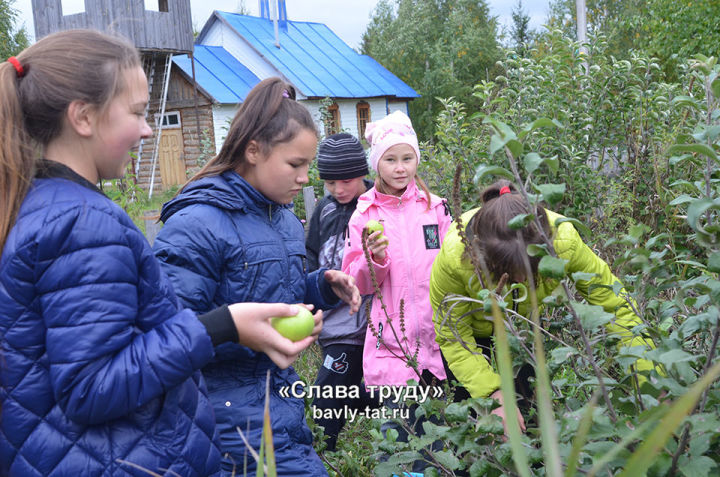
311,57
218,32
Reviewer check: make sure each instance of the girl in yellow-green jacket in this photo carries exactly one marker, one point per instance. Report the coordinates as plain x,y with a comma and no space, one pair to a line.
503,252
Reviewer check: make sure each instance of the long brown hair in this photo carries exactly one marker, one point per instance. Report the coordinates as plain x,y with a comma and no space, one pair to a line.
503,250
270,116
63,67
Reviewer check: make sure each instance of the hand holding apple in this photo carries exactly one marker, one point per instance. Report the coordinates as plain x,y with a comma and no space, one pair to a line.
373,225
254,329
376,241
295,327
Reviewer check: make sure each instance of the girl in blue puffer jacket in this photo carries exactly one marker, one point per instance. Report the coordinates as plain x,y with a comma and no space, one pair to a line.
99,364
230,236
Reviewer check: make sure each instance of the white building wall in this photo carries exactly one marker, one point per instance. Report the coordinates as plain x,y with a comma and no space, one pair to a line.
222,115
348,112
397,106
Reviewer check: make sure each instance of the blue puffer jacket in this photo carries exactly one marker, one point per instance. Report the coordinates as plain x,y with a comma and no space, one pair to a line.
223,242
98,363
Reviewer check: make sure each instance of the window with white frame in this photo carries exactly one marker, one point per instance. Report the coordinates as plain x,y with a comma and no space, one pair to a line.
170,120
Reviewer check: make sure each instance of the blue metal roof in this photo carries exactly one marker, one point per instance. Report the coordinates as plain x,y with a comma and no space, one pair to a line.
219,73
315,60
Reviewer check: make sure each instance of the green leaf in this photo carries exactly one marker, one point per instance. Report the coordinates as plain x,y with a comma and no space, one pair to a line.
582,276
638,230
697,209
675,160
516,148
683,199
693,148
715,87
395,460
552,267
712,132
714,262
480,467
674,356
520,221
552,193
592,316
641,460
503,135
447,459
697,466
431,472
496,143
553,163
561,354
537,250
501,128
484,170
540,123
685,101
522,294
581,227
532,162
456,412
613,452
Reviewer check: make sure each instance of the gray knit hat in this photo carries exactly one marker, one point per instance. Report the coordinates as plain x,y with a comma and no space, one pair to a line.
341,156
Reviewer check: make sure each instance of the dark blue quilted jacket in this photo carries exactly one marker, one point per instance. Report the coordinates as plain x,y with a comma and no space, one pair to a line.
223,242
98,363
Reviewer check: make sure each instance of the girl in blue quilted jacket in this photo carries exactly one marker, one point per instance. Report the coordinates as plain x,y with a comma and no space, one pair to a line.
231,236
99,363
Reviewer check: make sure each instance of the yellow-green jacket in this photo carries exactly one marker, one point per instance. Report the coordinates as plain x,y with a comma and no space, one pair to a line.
453,274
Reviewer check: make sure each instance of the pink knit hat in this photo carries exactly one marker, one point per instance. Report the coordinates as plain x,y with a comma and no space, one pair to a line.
383,134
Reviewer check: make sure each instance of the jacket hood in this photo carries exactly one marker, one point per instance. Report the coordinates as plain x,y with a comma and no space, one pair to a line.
228,191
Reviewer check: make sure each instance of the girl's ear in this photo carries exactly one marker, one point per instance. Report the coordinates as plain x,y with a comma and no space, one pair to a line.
80,117
253,153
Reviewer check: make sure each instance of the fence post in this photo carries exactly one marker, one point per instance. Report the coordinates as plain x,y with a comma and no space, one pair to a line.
309,198
152,224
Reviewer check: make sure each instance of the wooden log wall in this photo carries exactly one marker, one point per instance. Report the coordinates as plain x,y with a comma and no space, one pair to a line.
148,30
192,145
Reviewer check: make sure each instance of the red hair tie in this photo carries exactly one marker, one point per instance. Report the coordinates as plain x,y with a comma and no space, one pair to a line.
505,190
18,67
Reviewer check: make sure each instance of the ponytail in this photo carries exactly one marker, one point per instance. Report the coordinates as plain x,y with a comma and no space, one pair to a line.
504,249
16,157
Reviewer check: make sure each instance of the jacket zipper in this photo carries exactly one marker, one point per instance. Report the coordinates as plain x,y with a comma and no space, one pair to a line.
411,288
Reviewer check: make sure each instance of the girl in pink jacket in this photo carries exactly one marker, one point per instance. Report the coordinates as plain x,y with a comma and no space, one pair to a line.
415,222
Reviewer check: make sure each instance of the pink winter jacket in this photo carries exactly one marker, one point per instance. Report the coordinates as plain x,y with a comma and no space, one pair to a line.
415,235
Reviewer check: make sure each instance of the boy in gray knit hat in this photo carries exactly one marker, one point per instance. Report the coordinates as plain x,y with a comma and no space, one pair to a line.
342,164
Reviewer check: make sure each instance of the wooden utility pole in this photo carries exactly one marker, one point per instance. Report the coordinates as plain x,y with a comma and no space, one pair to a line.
581,14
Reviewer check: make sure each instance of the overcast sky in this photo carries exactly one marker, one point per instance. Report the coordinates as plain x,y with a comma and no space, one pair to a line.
347,18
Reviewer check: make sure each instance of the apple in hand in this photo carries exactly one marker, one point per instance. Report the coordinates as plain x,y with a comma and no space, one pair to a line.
294,327
375,226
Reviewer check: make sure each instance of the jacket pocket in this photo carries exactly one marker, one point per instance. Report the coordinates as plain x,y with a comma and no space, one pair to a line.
297,261
392,342
255,274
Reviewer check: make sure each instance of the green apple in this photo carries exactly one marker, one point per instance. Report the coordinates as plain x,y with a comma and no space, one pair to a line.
373,225
294,327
